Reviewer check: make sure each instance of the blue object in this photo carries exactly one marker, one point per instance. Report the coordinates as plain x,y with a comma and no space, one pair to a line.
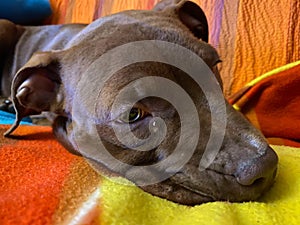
9,118
25,12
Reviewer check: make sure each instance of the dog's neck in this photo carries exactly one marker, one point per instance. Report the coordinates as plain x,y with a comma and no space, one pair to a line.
5,73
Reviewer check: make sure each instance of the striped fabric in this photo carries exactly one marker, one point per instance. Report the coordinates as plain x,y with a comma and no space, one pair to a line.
40,182
251,36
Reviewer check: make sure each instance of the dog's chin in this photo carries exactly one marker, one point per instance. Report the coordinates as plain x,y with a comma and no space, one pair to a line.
177,193
227,189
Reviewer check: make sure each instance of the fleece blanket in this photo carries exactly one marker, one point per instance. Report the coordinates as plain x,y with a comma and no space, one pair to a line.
41,183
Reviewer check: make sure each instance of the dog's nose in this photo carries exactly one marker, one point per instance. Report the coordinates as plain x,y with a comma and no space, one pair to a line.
261,169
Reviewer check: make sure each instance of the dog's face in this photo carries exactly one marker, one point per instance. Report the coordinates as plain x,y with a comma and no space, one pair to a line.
244,166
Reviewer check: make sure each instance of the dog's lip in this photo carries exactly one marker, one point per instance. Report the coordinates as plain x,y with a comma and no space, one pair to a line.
261,185
201,193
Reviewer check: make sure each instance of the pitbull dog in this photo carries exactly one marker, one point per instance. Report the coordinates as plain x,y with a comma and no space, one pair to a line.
43,66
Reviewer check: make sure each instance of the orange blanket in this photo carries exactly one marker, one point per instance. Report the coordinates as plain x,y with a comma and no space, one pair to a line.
40,182
272,104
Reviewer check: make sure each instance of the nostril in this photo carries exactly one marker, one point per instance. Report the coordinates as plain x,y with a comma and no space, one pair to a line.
250,177
259,181
258,170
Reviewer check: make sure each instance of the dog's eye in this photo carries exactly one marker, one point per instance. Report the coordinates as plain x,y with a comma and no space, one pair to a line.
134,115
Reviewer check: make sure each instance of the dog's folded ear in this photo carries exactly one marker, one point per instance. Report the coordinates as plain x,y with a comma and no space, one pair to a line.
190,15
35,87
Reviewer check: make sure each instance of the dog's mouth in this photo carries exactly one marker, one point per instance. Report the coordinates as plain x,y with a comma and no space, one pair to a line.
191,186
222,187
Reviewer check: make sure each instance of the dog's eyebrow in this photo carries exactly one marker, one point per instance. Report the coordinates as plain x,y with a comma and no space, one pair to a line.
136,89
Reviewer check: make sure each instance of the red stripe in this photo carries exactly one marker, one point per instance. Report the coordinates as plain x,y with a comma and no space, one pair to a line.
98,9
150,4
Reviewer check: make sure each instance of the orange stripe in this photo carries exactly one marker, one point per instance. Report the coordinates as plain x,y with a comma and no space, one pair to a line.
261,44
98,9
83,11
34,169
77,189
69,11
107,8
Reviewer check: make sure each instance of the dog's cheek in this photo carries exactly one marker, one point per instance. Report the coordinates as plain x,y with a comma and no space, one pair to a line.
122,151
59,126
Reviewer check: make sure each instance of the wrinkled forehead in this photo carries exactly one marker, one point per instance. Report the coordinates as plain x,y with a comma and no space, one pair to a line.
136,81
130,27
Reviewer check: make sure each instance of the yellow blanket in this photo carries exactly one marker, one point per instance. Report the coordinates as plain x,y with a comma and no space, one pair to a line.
129,205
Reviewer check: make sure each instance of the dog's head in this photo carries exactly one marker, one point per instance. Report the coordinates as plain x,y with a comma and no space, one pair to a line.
131,131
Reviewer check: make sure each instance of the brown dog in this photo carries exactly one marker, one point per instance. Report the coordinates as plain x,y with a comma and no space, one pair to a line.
50,62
